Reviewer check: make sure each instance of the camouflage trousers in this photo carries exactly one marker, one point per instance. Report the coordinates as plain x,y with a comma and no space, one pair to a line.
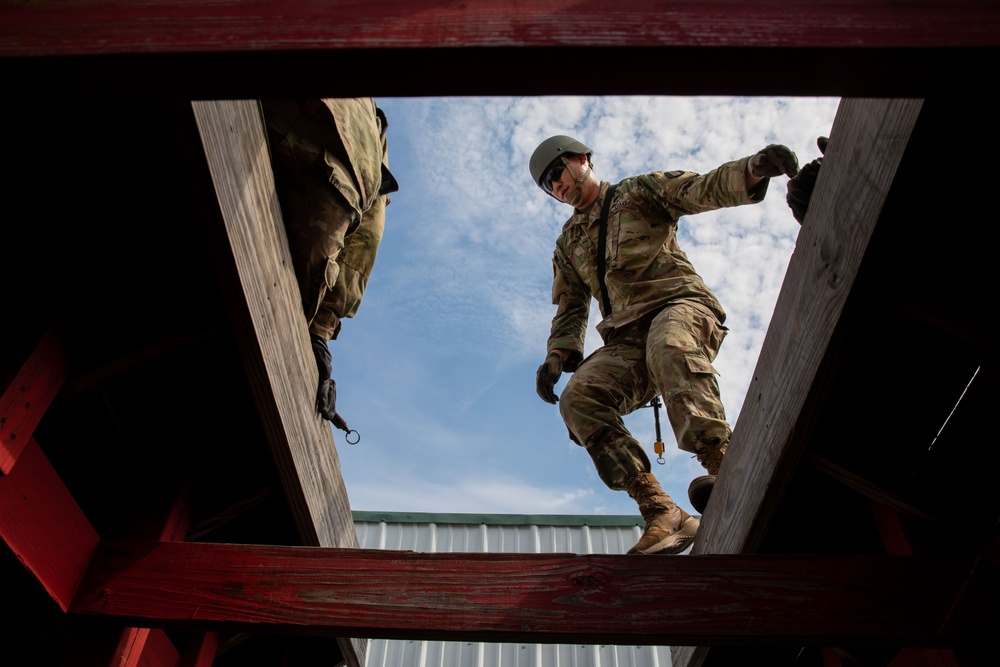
333,244
670,355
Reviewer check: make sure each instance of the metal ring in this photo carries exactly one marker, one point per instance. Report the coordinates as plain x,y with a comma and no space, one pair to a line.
348,437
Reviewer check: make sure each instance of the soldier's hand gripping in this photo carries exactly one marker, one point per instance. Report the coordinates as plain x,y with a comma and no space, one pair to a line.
547,376
326,393
774,160
801,187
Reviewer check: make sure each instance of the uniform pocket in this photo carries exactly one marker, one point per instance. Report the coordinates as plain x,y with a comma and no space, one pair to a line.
698,364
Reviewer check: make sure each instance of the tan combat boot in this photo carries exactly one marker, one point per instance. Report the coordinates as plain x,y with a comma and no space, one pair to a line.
669,529
700,489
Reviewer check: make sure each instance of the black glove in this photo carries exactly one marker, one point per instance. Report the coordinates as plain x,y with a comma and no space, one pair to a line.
772,161
546,377
800,188
326,395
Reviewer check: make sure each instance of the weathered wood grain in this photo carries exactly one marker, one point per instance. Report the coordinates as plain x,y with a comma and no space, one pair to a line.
273,335
277,349
263,48
48,27
866,146
546,598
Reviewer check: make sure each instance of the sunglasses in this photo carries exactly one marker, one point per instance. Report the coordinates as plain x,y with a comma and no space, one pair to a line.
554,173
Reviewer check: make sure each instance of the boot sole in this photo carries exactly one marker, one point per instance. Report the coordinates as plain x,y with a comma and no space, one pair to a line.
699,491
674,544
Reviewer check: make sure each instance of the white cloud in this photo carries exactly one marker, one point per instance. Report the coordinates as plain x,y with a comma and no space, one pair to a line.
438,367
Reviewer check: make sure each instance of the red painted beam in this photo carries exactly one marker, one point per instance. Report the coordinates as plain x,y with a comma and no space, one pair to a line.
200,651
145,647
245,49
89,27
26,398
44,527
136,647
546,598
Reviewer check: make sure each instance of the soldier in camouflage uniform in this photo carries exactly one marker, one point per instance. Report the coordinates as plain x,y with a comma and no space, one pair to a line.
330,161
662,326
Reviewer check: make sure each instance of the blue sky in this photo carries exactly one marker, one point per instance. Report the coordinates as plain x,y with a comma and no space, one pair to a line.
437,370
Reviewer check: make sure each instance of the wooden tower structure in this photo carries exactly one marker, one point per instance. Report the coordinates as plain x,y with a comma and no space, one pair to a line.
168,496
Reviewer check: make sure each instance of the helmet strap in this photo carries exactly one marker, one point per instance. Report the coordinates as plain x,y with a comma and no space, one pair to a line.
577,193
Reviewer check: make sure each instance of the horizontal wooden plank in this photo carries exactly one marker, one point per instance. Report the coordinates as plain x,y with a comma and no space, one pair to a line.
265,48
51,27
539,598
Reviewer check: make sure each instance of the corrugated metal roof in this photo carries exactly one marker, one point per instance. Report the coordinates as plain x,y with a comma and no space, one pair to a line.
502,533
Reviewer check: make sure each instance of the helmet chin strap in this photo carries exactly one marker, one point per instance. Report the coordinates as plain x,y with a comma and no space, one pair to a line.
576,194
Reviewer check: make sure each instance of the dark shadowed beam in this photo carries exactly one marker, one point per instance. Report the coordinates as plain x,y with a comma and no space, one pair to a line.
26,396
43,527
867,143
40,521
536,598
255,267
258,48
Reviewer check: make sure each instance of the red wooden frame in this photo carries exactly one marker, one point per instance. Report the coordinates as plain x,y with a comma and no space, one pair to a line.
28,396
549,598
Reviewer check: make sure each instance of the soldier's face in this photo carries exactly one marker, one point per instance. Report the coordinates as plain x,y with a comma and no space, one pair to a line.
572,184
563,177
553,173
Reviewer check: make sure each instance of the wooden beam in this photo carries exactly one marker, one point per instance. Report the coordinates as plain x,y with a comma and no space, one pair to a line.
271,329
261,48
89,27
880,497
138,647
273,336
200,651
27,396
43,526
868,137
538,598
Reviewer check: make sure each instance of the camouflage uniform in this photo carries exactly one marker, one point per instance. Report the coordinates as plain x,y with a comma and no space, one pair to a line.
666,325
330,161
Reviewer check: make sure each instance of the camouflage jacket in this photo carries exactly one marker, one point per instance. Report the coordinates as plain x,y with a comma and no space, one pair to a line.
357,172
350,133
645,267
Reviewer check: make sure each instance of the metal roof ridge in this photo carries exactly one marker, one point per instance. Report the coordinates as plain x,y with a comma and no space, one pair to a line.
361,516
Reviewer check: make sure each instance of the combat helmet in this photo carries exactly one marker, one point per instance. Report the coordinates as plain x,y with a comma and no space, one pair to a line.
549,150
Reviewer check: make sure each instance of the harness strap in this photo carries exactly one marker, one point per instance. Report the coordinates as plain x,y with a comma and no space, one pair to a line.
602,244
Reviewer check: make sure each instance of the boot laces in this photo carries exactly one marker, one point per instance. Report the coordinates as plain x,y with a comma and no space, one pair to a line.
710,457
